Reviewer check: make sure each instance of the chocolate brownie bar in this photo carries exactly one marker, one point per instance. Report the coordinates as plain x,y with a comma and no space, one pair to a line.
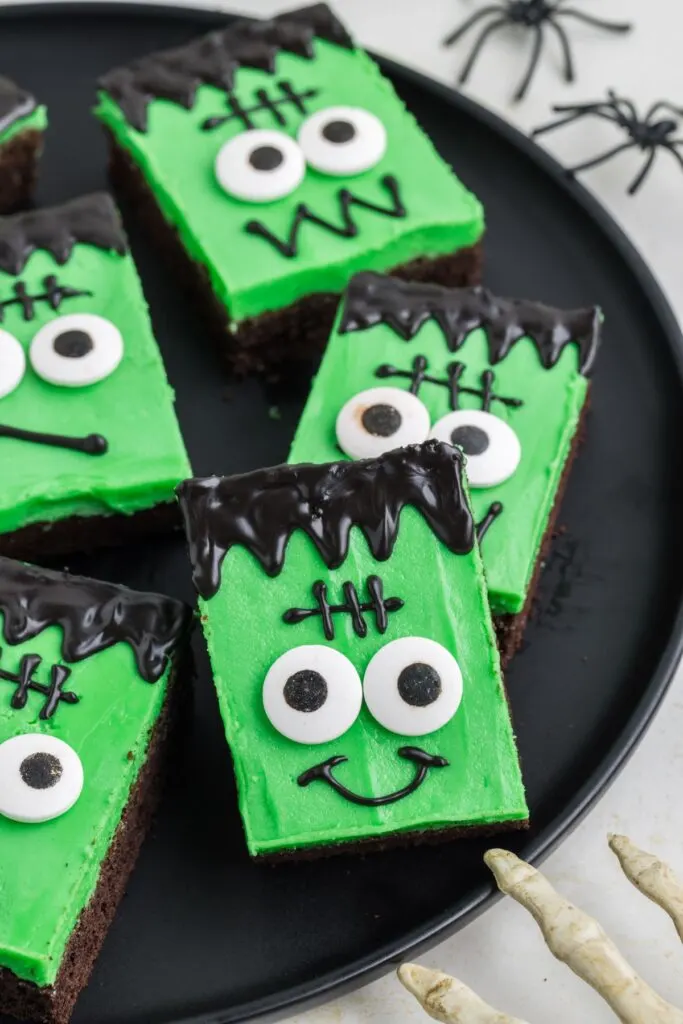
22,124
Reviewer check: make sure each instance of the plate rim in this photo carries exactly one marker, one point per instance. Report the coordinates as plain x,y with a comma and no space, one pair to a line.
335,983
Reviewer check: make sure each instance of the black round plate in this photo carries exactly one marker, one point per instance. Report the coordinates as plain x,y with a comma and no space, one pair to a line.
203,934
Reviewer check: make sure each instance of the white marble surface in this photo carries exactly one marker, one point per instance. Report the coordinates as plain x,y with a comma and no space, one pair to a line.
501,955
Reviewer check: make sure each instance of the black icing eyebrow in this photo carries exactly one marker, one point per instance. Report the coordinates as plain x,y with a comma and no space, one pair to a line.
176,75
403,306
14,103
92,219
261,510
93,615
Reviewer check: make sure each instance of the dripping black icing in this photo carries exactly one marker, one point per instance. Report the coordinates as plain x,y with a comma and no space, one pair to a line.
92,220
348,228
176,75
261,510
93,616
419,757
15,103
405,306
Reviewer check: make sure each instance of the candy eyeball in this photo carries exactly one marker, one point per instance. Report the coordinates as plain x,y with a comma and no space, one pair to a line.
312,694
260,166
343,140
379,420
41,778
12,363
412,686
76,350
491,446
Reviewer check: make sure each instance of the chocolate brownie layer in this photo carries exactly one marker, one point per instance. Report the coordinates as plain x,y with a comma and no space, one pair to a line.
19,169
87,533
295,334
510,628
54,1004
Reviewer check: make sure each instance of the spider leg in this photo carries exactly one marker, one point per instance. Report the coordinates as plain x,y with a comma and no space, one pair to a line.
476,49
663,105
642,174
578,112
618,103
610,26
601,159
533,64
566,50
467,25
671,146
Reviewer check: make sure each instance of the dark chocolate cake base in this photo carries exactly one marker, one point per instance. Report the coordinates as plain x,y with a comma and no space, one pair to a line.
54,1003
510,628
277,341
81,534
19,170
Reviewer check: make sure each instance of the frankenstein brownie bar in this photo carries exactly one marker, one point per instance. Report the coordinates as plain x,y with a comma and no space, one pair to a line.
504,379
91,447
313,578
273,160
22,123
89,673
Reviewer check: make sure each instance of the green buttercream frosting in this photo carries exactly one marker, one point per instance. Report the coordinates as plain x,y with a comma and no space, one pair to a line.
35,121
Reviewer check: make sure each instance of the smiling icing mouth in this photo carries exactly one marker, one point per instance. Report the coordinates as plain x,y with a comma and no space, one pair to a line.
92,444
421,758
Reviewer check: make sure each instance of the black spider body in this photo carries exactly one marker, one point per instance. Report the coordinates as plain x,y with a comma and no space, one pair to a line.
644,133
536,15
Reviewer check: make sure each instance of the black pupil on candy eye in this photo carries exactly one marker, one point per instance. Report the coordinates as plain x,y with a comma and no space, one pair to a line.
419,685
306,691
73,344
265,158
40,770
381,420
339,131
473,440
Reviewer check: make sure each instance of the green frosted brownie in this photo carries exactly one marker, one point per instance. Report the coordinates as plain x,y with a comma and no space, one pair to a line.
22,124
83,384
505,379
313,578
276,159
88,677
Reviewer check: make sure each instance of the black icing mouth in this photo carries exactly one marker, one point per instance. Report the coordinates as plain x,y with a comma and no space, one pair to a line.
92,444
421,758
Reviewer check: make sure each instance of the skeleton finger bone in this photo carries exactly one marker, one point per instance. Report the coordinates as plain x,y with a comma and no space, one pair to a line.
447,999
580,942
652,877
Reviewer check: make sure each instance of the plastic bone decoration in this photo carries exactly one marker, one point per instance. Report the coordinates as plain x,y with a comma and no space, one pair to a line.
571,936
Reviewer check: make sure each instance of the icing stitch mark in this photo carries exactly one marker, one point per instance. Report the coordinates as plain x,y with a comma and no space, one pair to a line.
92,444
378,604
494,510
348,229
54,294
418,376
421,758
24,681
237,112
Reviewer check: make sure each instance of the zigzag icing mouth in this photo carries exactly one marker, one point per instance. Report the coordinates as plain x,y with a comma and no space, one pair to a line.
92,444
348,227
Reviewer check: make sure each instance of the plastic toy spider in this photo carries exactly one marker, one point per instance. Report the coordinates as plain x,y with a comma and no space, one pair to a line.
646,133
535,15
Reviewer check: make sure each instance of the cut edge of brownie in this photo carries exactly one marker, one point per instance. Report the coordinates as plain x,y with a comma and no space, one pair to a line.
19,158
53,1004
510,628
82,534
269,342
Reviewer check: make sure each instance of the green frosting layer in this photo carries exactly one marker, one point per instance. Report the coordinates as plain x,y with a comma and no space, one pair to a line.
49,871
445,600
545,425
135,403
247,273
35,121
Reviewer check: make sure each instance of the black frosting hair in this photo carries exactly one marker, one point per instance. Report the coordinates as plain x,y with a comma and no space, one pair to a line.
261,510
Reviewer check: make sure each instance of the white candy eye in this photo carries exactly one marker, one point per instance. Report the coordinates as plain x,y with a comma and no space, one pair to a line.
343,140
12,363
260,166
41,777
491,446
412,686
312,694
379,420
76,350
